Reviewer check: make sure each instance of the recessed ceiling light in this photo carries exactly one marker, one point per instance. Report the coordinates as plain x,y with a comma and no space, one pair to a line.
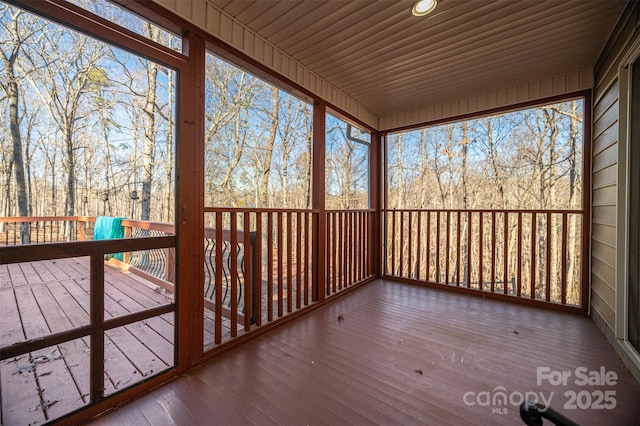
424,7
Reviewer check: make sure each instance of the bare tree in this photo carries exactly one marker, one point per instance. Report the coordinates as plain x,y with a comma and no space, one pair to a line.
64,77
19,32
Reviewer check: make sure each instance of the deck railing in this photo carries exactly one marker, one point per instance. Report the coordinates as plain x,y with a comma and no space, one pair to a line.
284,261
259,264
278,265
155,265
348,245
529,254
43,229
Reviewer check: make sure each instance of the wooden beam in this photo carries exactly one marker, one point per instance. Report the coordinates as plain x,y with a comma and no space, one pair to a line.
318,200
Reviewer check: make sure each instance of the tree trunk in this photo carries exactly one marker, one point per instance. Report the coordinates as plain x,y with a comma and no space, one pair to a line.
266,168
70,193
573,290
149,111
399,174
13,95
308,166
168,195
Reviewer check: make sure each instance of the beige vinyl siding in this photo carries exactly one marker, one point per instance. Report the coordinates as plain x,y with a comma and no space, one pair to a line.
605,172
604,196
501,98
224,27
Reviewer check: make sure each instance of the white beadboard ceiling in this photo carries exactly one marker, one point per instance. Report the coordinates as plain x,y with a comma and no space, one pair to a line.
390,61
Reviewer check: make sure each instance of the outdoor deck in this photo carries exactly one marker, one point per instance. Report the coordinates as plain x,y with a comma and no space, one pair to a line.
40,298
391,353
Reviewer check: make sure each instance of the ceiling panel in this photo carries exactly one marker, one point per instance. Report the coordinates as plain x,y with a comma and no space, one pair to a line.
390,61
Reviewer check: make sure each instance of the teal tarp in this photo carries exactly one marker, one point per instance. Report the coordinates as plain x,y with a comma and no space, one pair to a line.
108,228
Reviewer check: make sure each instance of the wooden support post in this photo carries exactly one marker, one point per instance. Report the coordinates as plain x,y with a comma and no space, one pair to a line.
318,201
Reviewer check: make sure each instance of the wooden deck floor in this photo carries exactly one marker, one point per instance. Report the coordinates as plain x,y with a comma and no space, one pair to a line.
40,298
392,353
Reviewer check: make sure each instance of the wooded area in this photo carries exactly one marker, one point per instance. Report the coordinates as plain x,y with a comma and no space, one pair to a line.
529,159
91,130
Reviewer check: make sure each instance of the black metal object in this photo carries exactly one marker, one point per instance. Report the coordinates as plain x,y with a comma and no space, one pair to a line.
532,414
227,266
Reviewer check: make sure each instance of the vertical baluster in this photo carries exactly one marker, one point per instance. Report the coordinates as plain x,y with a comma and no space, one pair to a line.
233,270
357,242
428,244
298,260
418,243
401,253
534,229
447,245
218,278
289,263
306,258
280,265
493,251
409,258
563,262
319,286
519,263
248,273
548,277
393,242
437,278
458,238
363,244
340,251
330,264
257,261
345,249
480,251
270,266
351,247
506,252
468,259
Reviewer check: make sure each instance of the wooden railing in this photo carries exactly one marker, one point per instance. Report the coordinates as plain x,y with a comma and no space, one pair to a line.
284,260
270,280
44,229
155,265
278,265
349,255
98,324
535,255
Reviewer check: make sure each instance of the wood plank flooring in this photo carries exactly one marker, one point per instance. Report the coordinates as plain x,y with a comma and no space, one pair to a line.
391,353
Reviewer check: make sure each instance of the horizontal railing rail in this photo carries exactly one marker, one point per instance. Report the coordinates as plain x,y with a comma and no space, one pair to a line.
534,255
95,250
18,230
